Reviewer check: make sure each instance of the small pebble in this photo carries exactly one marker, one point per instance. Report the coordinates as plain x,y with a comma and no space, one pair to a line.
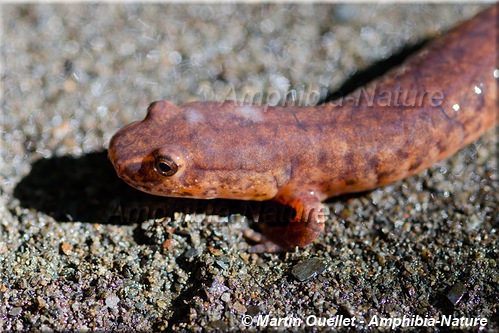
192,252
456,293
308,268
239,307
66,248
219,325
112,301
15,311
161,304
225,297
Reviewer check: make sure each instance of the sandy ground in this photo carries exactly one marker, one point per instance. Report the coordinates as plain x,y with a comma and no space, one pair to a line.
75,256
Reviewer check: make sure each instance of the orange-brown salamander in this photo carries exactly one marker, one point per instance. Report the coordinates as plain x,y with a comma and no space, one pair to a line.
300,156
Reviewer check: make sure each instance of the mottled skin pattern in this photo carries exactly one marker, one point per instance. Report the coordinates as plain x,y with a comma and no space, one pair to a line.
300,156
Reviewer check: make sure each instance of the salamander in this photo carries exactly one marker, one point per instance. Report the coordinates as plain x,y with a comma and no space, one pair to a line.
439,100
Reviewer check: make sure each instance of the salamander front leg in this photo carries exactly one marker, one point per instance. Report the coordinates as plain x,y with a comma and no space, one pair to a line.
301,230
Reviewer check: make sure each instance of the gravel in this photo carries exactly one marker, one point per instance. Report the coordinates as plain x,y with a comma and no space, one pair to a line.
77,253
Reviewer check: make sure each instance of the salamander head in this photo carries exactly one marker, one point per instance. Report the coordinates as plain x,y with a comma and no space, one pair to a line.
169,154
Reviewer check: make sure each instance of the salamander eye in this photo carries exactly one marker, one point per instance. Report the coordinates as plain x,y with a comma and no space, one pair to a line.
165,166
